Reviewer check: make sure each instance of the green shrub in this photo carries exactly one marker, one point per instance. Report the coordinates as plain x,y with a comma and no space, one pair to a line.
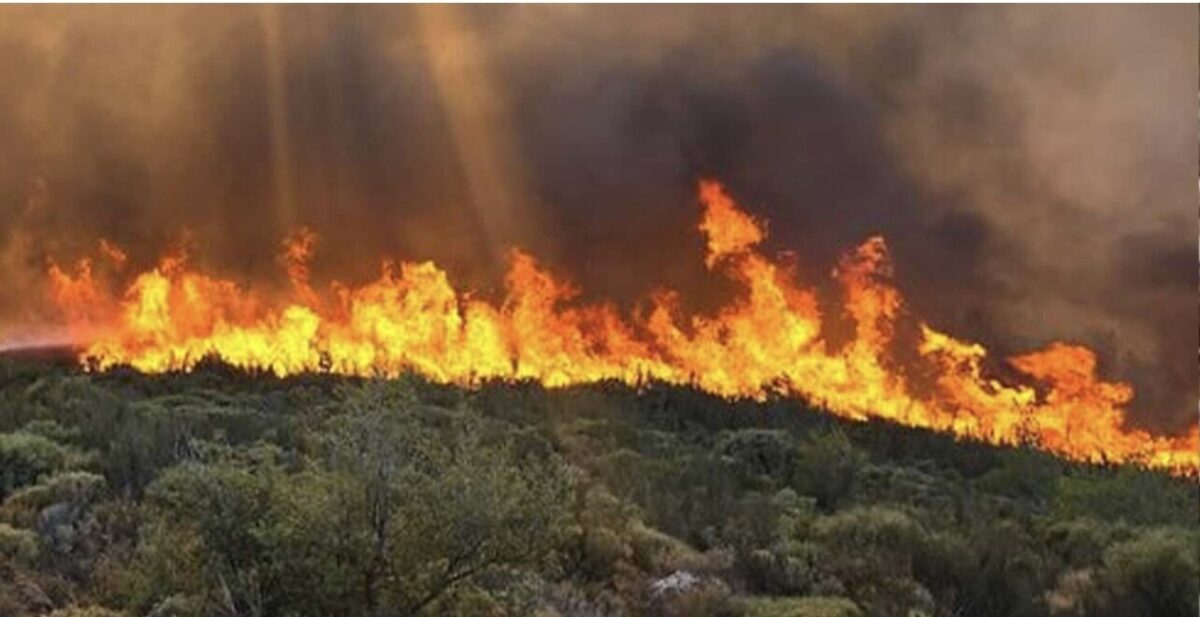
802,607
1155,574
77,488
17,544
829,468
85,611
1132,495
24,457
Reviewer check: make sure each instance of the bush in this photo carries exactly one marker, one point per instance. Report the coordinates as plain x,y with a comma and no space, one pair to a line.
225,493
888,533
707,598
759,457
802,607
1080,542
829,467
74,488
1155,574
871,551
85,611
777,572
17,544
1132,495
24,457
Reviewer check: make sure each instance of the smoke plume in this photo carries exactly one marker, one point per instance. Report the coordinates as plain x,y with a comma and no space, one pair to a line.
1033,168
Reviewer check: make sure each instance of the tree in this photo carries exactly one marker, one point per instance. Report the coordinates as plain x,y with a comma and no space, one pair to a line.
402,505
442,497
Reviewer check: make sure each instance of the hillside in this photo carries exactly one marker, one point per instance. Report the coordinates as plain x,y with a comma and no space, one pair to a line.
218,492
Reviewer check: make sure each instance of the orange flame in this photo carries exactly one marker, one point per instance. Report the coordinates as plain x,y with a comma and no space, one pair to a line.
770,340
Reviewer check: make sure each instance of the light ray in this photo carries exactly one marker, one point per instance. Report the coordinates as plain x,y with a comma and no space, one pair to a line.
477,114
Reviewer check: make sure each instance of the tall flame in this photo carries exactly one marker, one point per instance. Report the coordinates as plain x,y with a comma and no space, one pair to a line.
769,340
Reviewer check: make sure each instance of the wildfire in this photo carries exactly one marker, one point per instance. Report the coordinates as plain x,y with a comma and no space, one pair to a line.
768,341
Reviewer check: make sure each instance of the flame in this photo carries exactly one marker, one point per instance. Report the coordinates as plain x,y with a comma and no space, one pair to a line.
770,340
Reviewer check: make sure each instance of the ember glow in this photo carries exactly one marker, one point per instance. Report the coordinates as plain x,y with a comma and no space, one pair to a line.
768,341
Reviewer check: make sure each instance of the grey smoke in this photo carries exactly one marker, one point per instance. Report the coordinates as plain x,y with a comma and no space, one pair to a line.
1033,168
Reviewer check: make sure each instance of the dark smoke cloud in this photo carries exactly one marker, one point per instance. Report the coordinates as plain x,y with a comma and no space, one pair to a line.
1033,168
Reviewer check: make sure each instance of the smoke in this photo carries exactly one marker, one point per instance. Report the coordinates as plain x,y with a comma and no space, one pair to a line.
1033,168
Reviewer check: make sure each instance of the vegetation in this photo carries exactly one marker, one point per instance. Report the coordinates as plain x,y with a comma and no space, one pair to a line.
227,494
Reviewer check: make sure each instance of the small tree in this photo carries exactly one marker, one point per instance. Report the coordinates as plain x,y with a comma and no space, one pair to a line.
441,498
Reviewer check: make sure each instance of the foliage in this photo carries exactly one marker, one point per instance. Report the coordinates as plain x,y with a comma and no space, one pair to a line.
1157,573
218,492
24,457
85,611
17,545
815,606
